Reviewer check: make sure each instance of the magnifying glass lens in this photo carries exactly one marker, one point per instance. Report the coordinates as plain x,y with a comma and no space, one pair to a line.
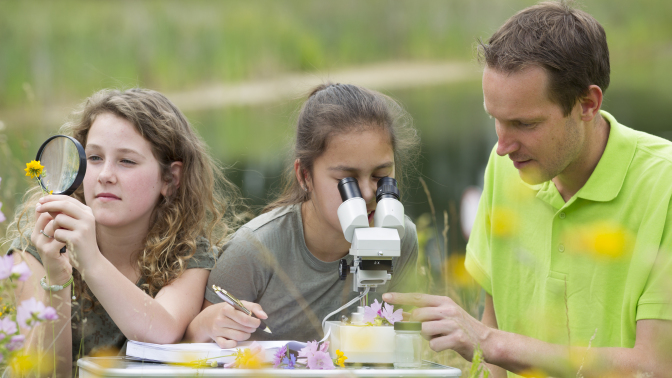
64,164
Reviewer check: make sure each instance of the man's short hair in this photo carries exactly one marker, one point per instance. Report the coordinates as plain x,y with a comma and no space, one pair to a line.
568,43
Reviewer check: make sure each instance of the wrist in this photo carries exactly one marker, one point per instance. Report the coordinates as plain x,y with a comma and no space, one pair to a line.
59,276
493,345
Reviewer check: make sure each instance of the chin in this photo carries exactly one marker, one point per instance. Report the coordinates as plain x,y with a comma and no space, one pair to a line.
532,177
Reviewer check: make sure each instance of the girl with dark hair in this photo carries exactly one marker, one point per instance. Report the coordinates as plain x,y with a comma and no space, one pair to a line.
139,233
286,260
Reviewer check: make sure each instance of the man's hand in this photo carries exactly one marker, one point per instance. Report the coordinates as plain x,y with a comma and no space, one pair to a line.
444,323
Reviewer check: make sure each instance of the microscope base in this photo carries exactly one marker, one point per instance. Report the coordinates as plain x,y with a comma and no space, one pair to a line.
362,344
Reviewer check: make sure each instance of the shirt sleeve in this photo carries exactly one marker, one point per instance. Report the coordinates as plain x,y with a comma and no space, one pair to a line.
21,244
243,268
204,257
656,299
479,255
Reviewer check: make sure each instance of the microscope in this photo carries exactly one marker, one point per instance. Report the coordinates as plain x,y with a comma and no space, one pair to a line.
373,249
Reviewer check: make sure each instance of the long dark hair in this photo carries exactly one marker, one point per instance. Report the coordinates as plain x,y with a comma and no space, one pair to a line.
333,109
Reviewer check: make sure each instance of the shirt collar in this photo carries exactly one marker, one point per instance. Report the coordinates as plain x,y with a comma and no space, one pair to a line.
606,181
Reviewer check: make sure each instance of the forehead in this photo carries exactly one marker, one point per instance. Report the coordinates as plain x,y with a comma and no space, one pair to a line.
515,95
110,130
358,149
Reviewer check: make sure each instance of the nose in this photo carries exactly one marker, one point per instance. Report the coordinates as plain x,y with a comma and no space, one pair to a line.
368,190
107,174
506,141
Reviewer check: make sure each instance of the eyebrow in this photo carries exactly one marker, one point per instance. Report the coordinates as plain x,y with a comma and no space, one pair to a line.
341,168
122,150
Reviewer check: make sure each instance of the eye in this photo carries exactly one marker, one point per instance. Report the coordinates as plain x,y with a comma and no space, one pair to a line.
94,158
129,162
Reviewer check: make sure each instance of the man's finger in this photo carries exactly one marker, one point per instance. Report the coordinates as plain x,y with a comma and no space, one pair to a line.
414,299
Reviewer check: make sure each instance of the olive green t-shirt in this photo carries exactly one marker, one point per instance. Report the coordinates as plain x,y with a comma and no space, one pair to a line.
586,269
95,331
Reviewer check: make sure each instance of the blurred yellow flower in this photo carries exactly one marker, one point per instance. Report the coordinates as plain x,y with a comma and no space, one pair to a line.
504,222
34,169
340,358
457,273
247,359
603,240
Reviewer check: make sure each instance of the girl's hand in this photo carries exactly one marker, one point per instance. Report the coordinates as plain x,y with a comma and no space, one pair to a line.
56,264
227,326
75,226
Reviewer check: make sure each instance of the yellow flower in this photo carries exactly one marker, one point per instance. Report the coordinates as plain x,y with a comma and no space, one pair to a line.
340,358
247,359
34,169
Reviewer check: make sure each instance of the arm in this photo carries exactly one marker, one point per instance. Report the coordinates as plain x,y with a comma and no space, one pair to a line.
490,320
449,327
54,339
241,271
162,319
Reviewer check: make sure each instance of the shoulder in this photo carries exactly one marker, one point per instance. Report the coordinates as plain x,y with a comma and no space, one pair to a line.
273,228
23,244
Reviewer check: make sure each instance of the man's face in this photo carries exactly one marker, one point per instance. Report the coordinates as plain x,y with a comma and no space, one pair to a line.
531,129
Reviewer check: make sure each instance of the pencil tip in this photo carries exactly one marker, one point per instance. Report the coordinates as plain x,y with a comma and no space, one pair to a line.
267,330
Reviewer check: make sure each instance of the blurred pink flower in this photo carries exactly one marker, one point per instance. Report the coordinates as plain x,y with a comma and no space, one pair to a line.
16,342
371,312
6,265
320,360
31,312
22,271
391,315
2,216
7,326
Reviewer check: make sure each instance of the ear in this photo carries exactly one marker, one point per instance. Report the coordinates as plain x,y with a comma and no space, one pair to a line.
591,103
174,183
302,175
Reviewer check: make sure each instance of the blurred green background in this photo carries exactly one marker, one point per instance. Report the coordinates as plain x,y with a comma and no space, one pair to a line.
240,69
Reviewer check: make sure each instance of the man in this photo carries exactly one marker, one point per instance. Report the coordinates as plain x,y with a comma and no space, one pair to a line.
572,241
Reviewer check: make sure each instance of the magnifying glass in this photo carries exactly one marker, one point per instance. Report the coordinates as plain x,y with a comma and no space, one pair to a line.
64,162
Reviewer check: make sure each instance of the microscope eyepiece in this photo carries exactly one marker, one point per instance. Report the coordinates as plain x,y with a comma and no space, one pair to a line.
349,188
387,188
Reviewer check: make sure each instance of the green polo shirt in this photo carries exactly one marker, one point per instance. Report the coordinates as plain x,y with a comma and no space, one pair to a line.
588,268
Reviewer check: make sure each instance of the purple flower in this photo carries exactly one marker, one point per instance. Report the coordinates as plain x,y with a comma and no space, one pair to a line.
371,312
391,315
309,349
22,271
49,313
290,362
7,326
6,265
31,312
16,342
2,219
278,356
320,360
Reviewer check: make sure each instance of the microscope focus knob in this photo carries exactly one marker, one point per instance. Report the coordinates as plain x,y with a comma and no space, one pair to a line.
343,269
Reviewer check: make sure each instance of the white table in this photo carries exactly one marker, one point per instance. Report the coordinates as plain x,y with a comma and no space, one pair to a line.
120,367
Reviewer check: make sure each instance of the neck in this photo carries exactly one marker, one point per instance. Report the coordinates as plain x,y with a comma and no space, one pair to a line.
575,176
322,240
120,245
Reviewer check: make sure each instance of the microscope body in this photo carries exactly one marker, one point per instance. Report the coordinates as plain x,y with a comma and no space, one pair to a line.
373,249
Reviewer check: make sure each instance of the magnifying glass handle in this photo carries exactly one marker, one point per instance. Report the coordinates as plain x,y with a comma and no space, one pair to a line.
62,250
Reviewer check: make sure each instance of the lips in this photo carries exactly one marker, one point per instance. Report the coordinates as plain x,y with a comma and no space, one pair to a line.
107,197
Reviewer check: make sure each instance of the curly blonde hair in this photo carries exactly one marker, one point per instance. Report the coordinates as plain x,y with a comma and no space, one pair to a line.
201,208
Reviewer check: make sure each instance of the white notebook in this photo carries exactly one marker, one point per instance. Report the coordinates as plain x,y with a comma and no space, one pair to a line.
190,352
